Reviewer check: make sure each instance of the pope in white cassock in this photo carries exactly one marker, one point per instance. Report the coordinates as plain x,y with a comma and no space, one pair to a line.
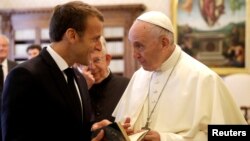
173,94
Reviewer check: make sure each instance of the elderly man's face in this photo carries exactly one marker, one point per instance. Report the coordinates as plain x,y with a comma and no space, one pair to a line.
146,44
4,48
98,66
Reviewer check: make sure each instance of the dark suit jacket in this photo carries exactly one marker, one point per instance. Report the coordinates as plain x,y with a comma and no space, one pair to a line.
37,106
105,96
11,65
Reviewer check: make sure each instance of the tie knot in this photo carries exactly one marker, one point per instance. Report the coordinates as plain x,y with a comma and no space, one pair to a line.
69,72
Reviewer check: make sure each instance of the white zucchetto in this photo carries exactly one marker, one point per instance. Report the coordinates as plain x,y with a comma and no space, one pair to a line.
157,18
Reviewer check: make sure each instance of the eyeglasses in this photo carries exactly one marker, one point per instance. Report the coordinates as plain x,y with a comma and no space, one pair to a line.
96,60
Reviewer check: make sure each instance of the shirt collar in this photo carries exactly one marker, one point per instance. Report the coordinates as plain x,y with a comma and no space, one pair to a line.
61,63
4,63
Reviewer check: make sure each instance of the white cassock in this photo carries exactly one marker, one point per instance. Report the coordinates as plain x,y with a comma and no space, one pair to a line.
194,96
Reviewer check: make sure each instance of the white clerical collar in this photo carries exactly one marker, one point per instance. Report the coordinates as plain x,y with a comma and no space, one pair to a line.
172,60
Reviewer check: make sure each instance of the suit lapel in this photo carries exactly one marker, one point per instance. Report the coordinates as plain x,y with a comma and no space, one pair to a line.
11,64
61,83
83,89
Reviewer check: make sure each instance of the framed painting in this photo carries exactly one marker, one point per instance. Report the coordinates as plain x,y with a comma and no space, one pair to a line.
215,32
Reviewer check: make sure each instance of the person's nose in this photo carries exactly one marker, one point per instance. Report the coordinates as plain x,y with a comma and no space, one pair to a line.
98,46
136,54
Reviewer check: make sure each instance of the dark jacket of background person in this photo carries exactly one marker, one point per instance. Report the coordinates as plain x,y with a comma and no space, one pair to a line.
11,64
6,64
106,94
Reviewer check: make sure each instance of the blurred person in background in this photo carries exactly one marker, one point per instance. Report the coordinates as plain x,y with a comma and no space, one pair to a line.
5,66
105,87
33,50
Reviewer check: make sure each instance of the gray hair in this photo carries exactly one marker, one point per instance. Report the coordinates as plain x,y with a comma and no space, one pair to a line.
163,31
5,38
103,43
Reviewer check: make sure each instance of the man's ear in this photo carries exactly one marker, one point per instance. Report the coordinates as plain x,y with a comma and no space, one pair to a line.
165,41
108,58
71,35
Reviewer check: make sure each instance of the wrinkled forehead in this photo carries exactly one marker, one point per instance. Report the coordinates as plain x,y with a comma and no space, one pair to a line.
140,29
3,41
141,25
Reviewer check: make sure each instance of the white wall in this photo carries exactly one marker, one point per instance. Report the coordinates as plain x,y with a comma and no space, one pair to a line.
161,5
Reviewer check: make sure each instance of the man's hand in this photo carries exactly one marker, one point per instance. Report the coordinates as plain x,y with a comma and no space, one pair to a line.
99,136
152,136
86,74
126,126
99,125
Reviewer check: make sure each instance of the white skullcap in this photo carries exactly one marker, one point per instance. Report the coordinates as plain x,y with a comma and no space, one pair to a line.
157,18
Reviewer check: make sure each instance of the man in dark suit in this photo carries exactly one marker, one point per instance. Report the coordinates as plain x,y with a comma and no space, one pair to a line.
37,102
5,66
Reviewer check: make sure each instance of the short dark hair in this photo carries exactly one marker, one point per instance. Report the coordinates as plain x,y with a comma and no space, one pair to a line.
34,46
71,15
